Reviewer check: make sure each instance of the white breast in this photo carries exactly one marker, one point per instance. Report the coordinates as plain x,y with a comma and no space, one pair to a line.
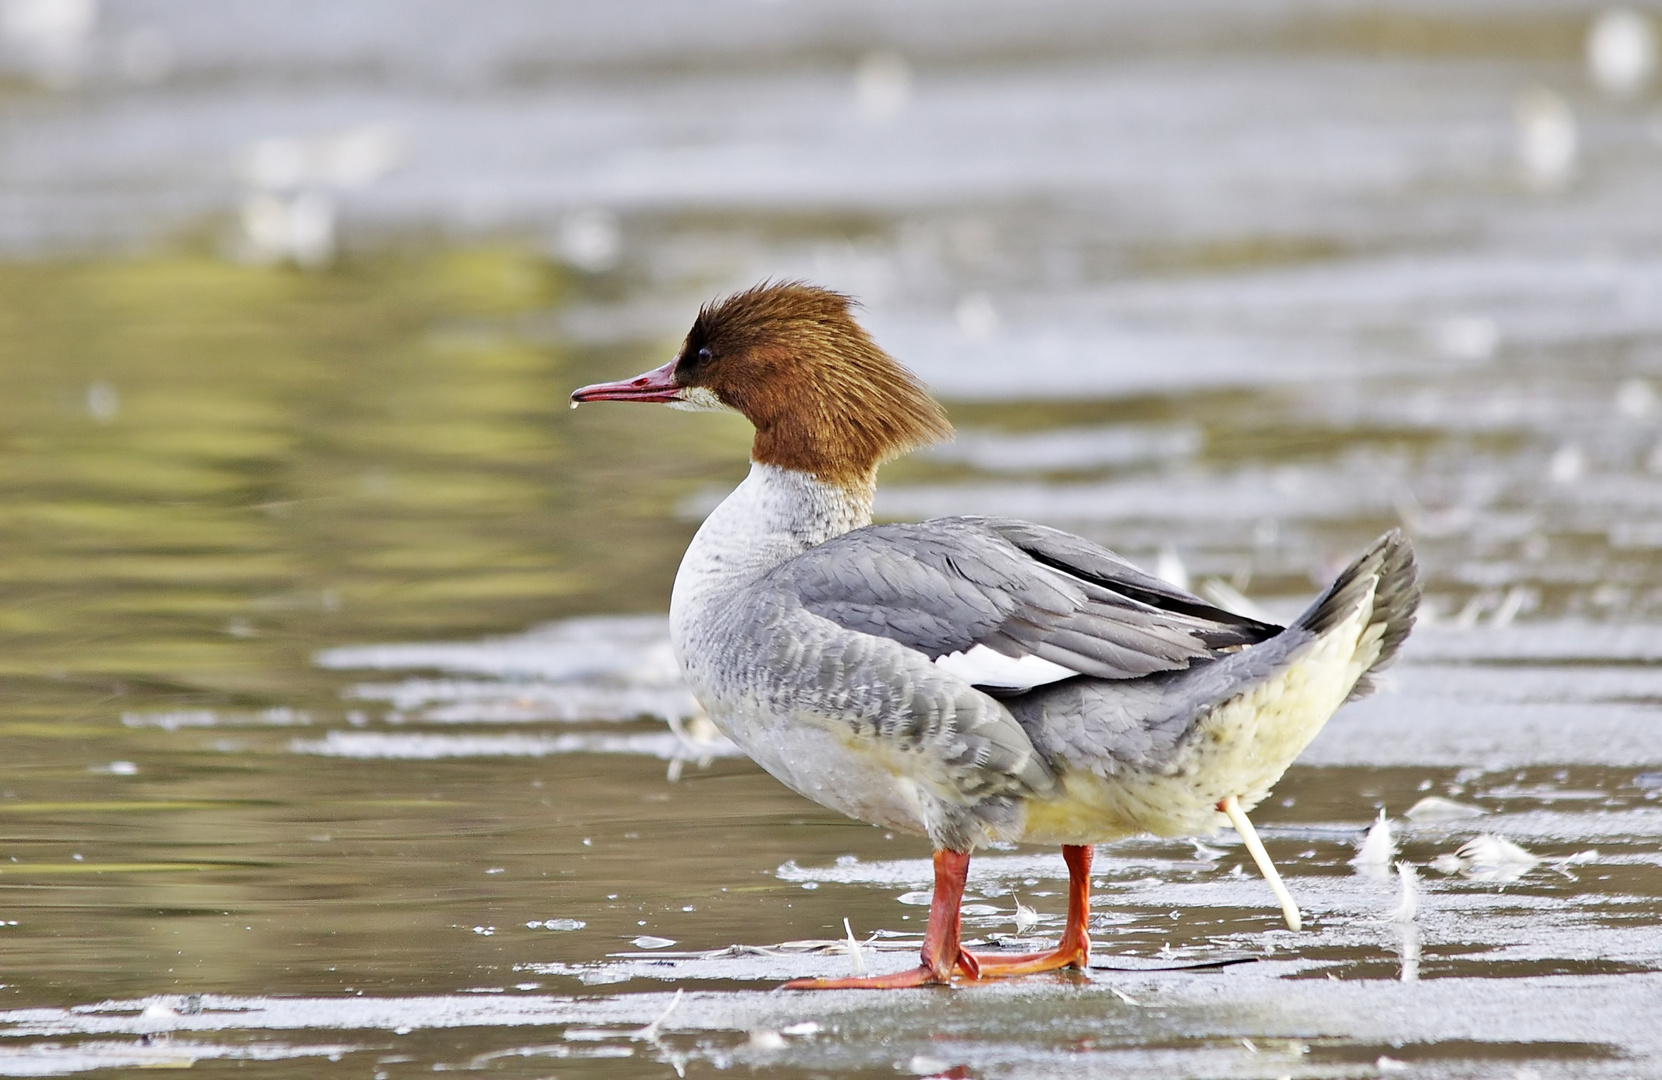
774,515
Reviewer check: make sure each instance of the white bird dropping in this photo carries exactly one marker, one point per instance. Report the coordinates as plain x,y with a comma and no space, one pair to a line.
1621,52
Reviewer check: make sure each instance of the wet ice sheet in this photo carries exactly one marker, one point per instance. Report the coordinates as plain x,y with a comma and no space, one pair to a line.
797,136
412,747
1502,973
55,1058
1351,318
632,649
1335,490
1241,1022
1068,449
580,670
1587,645
1508,696
462,701
1411,726
576,673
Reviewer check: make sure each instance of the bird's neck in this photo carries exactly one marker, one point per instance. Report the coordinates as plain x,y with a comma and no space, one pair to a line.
774,515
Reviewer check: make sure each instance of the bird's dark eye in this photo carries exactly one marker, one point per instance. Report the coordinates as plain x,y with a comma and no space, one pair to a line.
693,362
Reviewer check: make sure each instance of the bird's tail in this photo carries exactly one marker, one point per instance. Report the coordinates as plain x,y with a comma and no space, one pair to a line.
1385,577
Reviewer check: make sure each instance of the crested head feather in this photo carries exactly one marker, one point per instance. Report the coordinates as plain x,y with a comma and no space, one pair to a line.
824,398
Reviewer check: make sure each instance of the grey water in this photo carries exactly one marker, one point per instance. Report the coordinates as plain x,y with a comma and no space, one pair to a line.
342,735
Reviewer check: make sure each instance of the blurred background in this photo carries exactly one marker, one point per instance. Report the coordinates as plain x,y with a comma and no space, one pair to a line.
292,295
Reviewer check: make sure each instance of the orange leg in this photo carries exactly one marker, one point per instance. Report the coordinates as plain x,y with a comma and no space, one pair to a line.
941,951
1075,948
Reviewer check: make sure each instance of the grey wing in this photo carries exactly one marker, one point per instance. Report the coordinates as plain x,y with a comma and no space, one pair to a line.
968,764
945,586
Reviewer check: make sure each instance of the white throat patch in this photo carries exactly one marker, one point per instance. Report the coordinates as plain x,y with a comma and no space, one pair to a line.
700,399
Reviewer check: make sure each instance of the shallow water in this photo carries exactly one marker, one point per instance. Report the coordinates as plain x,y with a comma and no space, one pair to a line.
343,735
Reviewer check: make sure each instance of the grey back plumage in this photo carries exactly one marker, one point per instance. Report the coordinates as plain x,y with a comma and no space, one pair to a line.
947,585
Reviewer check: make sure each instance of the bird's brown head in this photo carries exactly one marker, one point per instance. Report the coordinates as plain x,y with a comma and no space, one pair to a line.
823,397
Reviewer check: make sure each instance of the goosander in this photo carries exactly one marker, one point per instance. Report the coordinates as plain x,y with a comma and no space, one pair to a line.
975,680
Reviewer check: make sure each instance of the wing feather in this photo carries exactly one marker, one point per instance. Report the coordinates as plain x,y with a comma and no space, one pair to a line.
952,585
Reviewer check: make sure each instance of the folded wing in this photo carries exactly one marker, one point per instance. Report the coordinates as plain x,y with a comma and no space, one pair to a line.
1010,604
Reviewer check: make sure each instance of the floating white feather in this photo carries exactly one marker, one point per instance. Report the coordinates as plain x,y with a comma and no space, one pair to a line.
1373,856
1487,857
1408,904
1435,808
854,953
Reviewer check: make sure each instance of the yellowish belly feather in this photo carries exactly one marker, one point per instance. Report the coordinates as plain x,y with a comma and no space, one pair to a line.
1241,748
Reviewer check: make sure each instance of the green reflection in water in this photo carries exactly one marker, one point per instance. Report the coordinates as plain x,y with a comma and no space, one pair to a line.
209,471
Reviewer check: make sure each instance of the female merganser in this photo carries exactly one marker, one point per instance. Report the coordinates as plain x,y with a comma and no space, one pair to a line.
975,680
